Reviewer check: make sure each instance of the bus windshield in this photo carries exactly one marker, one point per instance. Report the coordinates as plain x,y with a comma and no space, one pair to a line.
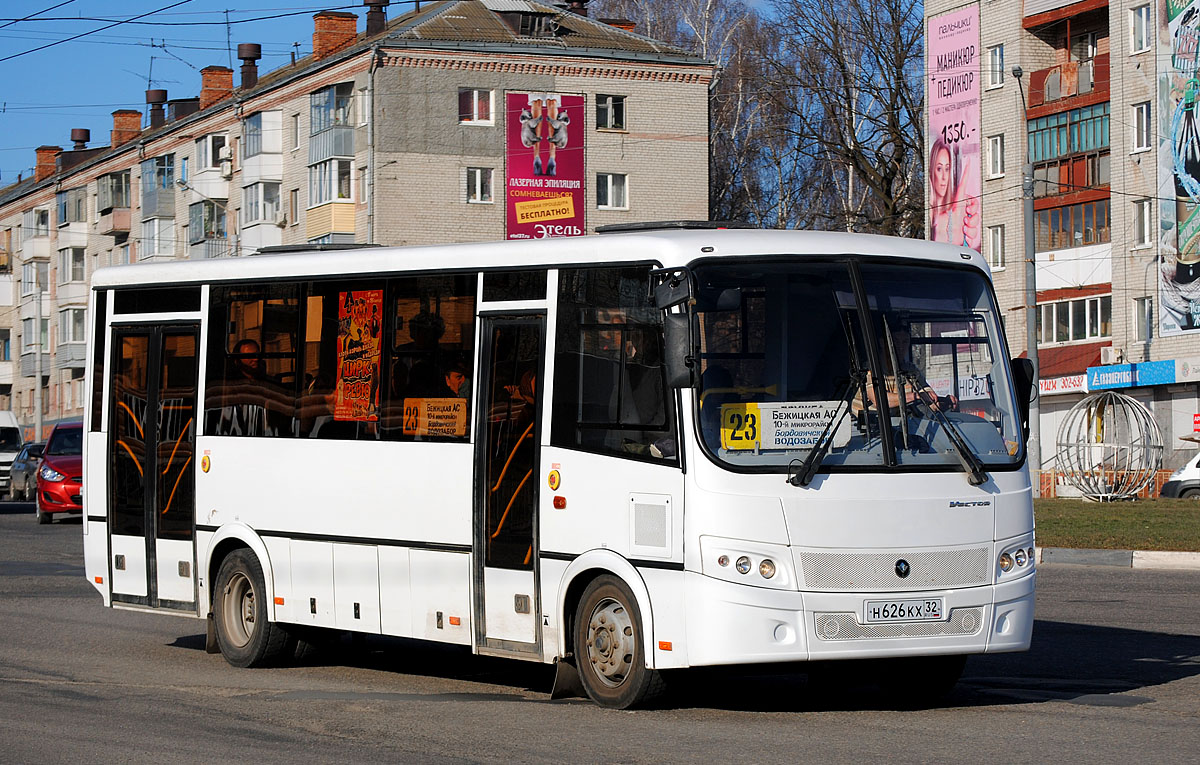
869,363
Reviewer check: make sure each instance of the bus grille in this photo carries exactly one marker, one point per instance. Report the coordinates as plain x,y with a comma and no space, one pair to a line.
963,621
874,572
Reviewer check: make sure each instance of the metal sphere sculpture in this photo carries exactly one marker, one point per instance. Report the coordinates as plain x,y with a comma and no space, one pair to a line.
1109,446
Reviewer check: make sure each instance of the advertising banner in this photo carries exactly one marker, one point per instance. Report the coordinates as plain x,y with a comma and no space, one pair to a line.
360,316
1178,167
954,136
544,189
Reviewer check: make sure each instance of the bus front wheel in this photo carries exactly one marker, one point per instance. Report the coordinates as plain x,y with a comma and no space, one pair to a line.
609,648
244,634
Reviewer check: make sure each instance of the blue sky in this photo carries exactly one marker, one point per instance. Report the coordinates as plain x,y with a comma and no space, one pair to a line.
79,83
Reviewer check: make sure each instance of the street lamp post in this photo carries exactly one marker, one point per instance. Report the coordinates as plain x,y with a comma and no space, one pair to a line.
1031,339
37,355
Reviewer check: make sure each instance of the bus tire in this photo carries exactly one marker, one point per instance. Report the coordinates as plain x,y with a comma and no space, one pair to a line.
244,634
609,649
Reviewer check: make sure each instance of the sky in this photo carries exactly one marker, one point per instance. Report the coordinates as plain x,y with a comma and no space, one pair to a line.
123,48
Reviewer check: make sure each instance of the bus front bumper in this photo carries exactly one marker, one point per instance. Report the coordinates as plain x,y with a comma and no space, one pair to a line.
737,624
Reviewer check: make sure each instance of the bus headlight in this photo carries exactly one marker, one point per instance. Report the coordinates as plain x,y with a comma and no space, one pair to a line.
1015,560
745,562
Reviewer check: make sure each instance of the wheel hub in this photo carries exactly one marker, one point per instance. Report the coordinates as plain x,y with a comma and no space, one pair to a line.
610,642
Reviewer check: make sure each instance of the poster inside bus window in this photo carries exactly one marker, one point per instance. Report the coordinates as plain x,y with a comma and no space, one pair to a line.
360,318
437,417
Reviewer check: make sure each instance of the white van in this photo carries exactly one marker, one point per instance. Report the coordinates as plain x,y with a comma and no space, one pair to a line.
1184,482
10,443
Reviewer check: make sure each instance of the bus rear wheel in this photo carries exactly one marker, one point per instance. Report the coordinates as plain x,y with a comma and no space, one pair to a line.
245,635
609,648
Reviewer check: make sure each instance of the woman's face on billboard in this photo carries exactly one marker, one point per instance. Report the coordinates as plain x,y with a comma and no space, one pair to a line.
941,173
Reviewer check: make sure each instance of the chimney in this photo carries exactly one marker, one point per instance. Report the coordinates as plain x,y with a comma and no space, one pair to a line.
156,99
216,84
46,165
127,125
376,17
249,53
578,7
333,31
80,137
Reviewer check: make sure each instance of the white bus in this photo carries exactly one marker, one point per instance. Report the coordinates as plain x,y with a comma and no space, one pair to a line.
624,453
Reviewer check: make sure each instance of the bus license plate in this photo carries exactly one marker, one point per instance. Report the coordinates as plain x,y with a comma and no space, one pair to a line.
924,610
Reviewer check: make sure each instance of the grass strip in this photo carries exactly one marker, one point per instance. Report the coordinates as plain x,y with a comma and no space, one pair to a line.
1147,524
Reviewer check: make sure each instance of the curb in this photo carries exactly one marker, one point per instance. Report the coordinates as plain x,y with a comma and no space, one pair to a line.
1179,561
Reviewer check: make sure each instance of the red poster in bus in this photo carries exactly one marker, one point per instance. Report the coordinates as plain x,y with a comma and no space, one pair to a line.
544,191
360,316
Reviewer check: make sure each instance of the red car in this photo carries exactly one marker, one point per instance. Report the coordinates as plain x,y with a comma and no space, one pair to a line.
60,476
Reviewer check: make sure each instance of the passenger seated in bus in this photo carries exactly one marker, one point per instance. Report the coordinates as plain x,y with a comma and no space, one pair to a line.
423,356
250,403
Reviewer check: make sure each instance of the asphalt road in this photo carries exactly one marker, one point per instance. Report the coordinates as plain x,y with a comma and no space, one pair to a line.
1114,675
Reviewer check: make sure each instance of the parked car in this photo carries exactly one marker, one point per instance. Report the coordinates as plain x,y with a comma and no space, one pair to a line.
60,475
1184,482
10,444
23,476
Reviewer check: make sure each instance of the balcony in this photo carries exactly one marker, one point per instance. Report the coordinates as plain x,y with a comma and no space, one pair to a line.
69,356
1073,78
115,221
211,248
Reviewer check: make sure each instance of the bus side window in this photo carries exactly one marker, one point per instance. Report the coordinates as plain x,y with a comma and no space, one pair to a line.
610,393
251,379
430,331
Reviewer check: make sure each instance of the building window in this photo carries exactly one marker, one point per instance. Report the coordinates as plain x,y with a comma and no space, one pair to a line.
1068,321
1141,126
1143,309
329,181
208,151
1072,226
5,345
330,107
364,106
113,191
474,106
72,206
479,185
71,265
260,203
72,326
158,237
996,66
33,278
294,206
1084,46
295,131
1141,223
610,112
252,137
611,192
206,220
36,223
28,343
995,156
1140,31
996,247
120,255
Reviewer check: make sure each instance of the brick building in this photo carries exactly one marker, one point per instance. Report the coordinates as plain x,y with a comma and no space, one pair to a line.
1101,112
401,134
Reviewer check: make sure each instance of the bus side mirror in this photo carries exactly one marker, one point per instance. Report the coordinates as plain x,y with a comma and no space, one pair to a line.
674,286
677,341
1022,372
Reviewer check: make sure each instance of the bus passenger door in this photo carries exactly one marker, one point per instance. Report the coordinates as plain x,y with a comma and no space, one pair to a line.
152,432
507,598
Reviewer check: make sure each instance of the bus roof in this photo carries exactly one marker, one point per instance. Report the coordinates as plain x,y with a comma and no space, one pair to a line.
669,248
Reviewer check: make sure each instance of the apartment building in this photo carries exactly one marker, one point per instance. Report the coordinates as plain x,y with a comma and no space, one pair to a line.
462,120
1094,95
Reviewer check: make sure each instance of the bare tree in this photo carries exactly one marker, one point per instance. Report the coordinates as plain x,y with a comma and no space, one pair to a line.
860,63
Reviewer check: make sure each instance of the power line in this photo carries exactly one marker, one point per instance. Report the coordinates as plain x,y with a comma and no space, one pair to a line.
85,34
39,13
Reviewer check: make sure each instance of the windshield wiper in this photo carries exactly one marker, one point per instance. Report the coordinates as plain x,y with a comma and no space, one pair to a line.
808,470
900,391
971,463
857,384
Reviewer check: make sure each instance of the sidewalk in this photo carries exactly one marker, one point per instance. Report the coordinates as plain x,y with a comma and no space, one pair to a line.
1124,558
